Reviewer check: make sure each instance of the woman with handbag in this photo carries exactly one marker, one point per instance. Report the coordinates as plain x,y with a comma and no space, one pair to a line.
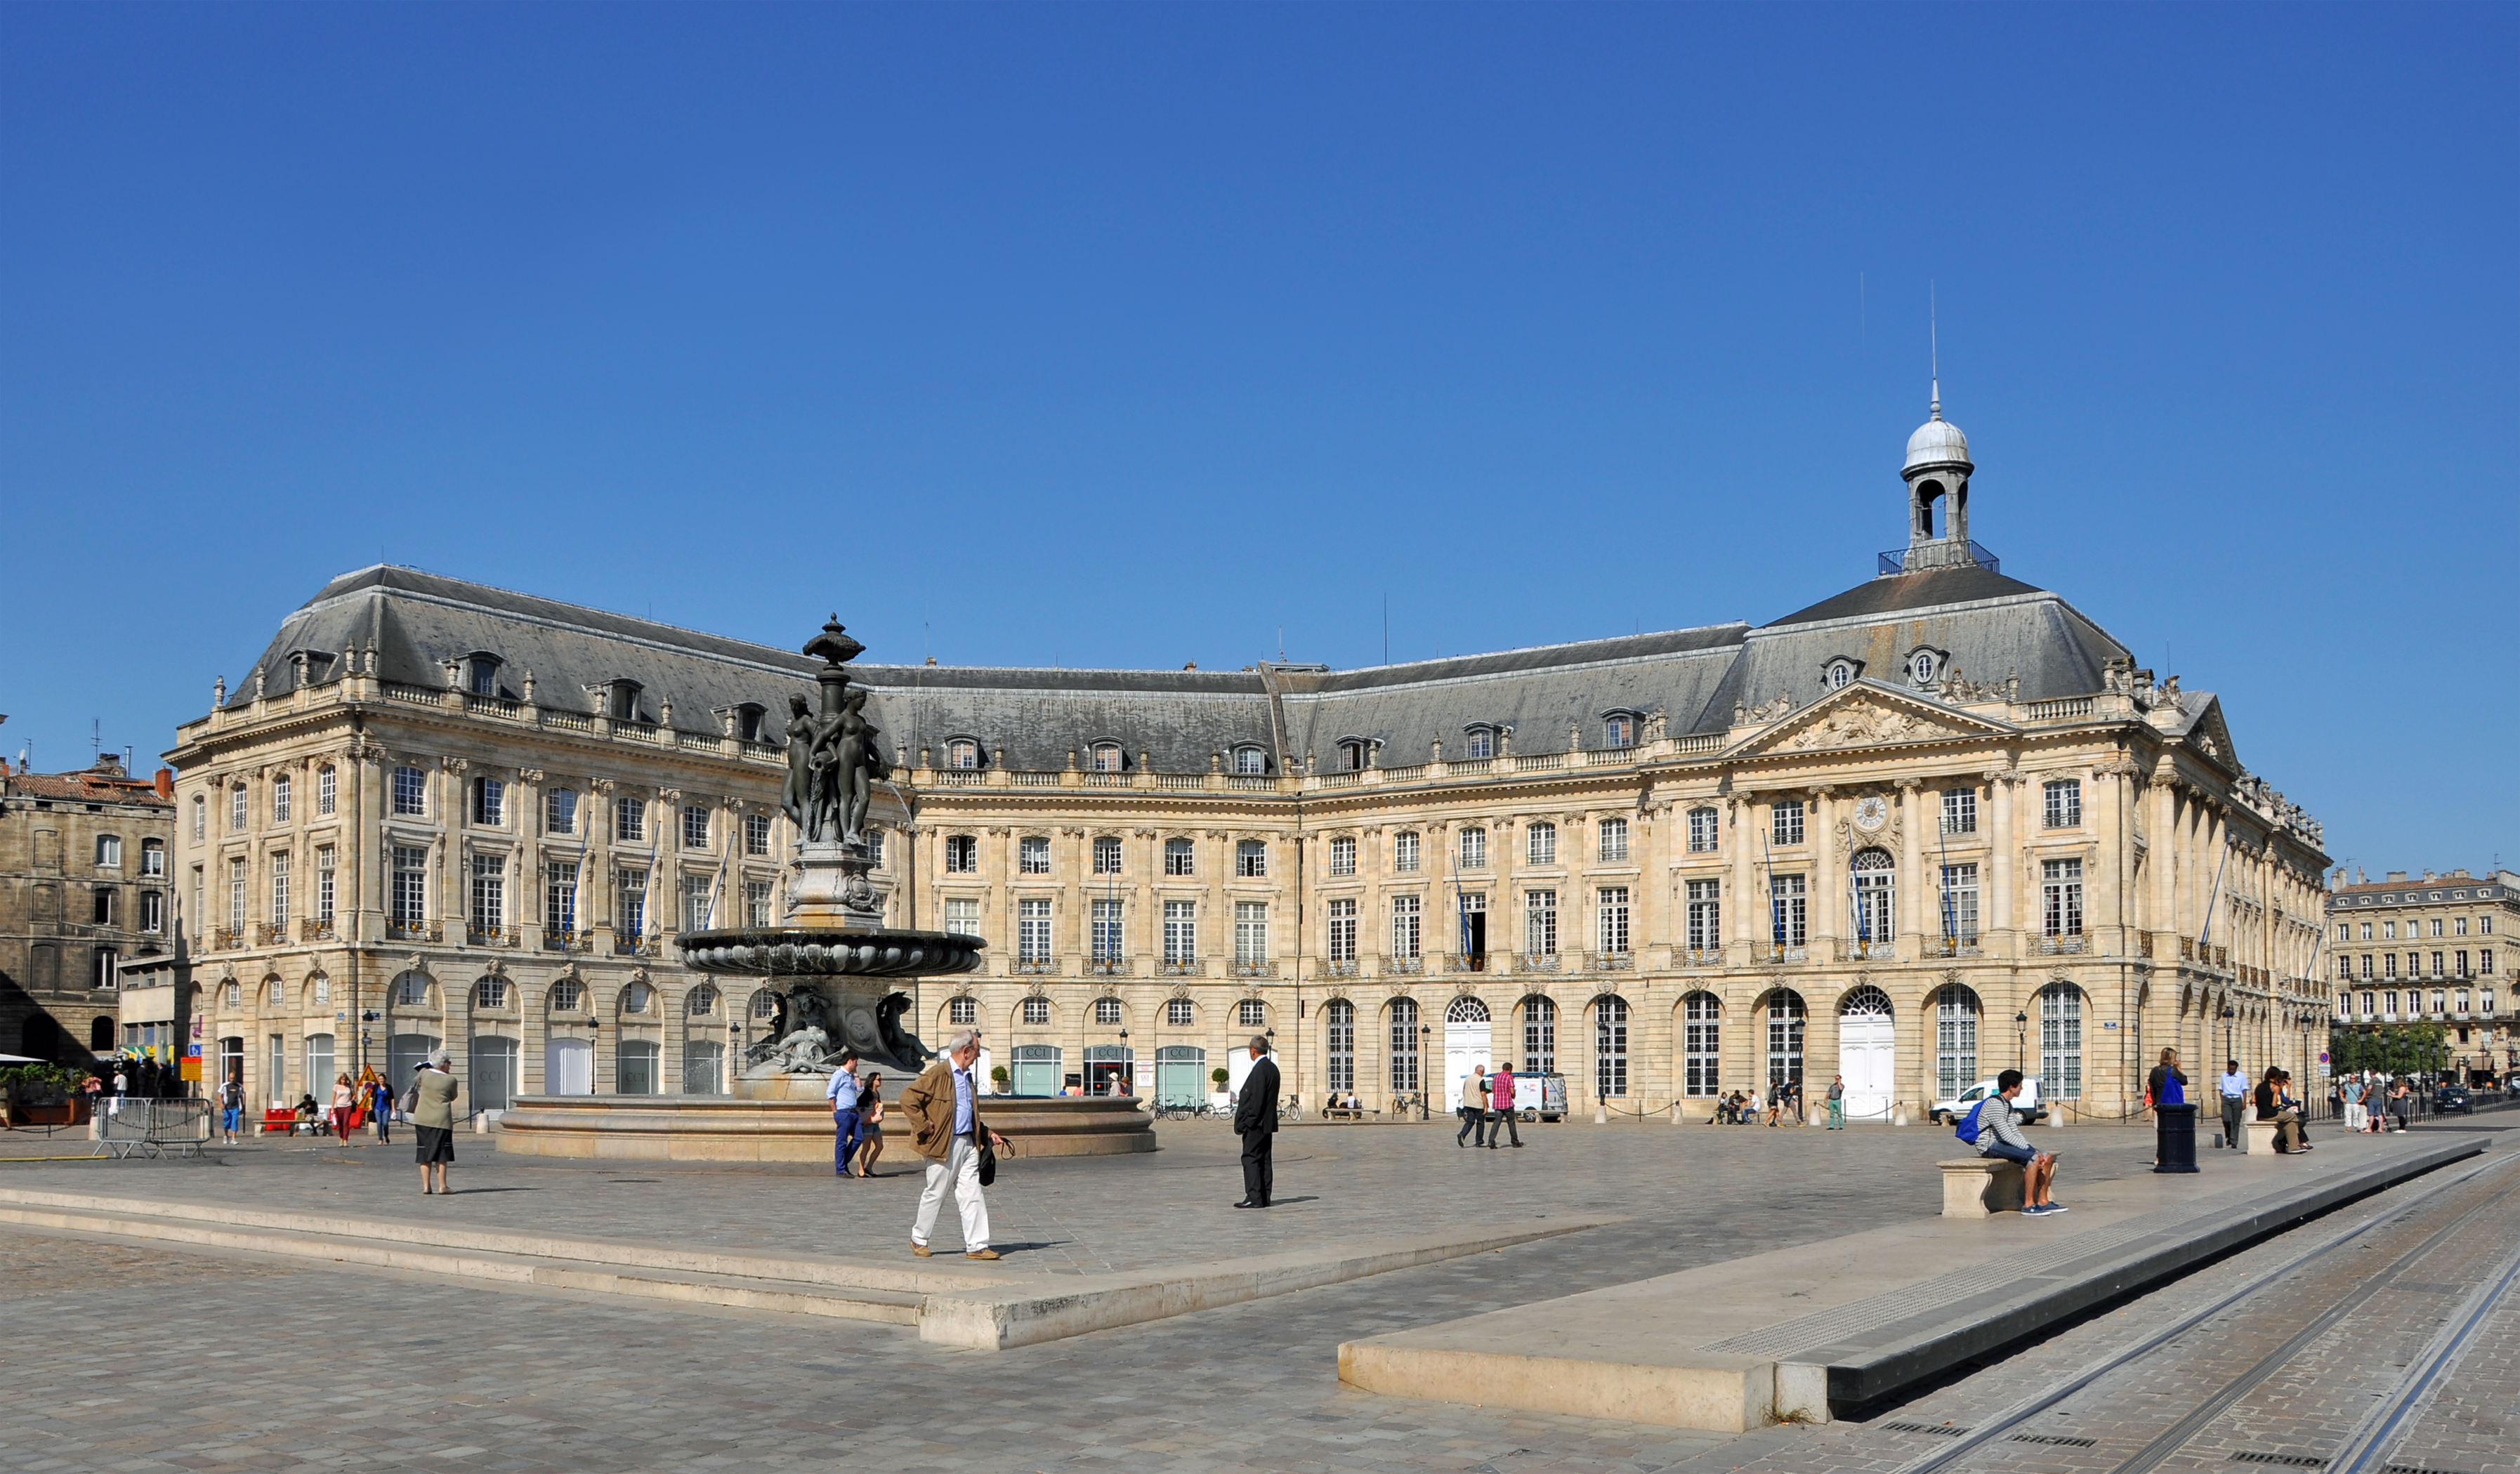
430,1104
346,1103
870,1125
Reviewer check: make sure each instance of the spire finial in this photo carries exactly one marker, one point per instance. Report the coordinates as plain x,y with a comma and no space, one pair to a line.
1934,350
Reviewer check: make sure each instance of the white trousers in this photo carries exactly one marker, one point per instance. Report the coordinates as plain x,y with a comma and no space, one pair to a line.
2356,1117
962,1169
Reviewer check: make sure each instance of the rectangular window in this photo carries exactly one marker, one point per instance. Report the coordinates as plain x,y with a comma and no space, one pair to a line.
1474,849
756,906
1343,938
109,852
279,793
1032,855
1705,916
1539,844
1612,909
2388,931
962,854
2459,928
279,889
2436,927
1785,822
756,833
1342,856
1704,829
696,826
236,897
2064,803
1251,858
700,897
2462,959
490,892
236,809
2437,964
1180,857
559,811
326,790
153,911
489,802
201,813
152,860
1614,841
1960,811
1107,855
410,791
1251,932
2388,964
1959,903
1406,931
2485,961
1032,931
102,913
1107,931
2062,897
1404,852
630,904
1538,1037
2367,932
560,896
1403,1047
409,897
962,915
630,820
1539,923
1180,933
1786,914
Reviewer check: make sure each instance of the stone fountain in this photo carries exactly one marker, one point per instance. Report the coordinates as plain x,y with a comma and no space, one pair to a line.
834,968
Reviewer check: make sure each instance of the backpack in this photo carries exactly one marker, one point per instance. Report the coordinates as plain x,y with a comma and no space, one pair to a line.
1967,1131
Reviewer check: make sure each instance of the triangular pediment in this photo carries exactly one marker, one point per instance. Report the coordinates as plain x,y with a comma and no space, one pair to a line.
1870,714
2211,734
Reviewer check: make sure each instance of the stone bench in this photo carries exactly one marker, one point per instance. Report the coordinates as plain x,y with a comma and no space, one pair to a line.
2261,1137
1980,1187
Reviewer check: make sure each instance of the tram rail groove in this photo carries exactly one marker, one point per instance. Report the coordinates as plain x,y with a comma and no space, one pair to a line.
2369,1442
1991,1429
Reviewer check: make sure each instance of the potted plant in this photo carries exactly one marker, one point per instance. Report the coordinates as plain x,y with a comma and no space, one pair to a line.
1218,1077
998,1078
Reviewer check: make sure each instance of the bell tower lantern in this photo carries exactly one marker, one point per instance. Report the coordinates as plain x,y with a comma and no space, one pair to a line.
1937,475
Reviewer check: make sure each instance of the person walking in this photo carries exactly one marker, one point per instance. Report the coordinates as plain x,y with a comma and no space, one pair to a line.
1501,1095
380,1099
869,1123
1473,1108
433,1118
842,1093
2234,1089
1255,1121
346,1103
231,1108
943,1105
1837,1102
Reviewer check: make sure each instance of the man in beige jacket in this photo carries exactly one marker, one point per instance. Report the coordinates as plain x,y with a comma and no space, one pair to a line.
943,1105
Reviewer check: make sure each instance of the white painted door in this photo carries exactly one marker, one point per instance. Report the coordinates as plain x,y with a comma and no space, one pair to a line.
1869,1059
568,1067
1465,1050
1239,1064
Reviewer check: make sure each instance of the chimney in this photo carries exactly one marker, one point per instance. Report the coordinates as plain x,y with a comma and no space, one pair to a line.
166,783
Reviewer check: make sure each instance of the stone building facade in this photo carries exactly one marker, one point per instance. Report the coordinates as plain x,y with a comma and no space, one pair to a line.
86,892
2439,950
1935,825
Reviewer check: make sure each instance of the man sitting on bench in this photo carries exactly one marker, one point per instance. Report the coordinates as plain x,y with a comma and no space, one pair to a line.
2000,1136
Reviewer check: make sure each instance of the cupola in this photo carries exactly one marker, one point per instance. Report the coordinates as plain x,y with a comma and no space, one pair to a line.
1936,472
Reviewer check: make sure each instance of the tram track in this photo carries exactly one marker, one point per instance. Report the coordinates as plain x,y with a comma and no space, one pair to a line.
2365,1451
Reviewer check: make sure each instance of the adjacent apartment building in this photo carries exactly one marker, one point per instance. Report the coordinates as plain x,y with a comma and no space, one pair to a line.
86,898
1933,826
2438,949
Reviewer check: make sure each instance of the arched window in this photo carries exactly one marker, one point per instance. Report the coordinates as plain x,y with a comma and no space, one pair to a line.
1701,1041
1179,1013
1875,916
490,993
2060,1042
763,1004
1352,756
1251,761
1610,1046
1619,730
963,1011
963,754
1465,1011
568,996
1106,757
700,1002
637,998
1338,1038
1482,744
1956,1016
1924,666
1251,1014
1107,855
279,995
1539,1035
1540,843
411,990
1404,1046
1785,1020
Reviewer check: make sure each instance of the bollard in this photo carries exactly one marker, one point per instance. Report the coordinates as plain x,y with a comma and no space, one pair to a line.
2062,1114
1899,1113
1601,1113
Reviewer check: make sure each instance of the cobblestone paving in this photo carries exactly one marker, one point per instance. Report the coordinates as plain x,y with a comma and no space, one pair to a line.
2305,1408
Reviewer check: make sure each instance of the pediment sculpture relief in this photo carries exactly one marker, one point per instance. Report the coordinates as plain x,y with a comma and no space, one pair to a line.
1860,723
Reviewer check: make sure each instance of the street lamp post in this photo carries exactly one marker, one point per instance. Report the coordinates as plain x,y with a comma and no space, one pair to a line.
1127,1066
2228,1015
2021,1040
1425,1037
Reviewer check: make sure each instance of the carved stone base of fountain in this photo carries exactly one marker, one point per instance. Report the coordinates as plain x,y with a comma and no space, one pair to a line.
738,1129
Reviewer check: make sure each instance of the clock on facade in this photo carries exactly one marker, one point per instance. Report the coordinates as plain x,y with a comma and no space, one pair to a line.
1871,812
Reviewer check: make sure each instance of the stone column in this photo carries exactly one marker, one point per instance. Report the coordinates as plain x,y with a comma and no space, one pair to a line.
2003,860
1826,885
1745,908
1917,891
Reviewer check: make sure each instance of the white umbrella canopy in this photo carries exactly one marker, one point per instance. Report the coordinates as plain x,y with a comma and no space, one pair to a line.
18,1059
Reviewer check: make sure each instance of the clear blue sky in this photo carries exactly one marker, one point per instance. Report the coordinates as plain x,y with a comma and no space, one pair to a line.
1130,336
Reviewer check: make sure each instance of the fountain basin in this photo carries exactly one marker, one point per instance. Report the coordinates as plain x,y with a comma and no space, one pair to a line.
789,952
735,1129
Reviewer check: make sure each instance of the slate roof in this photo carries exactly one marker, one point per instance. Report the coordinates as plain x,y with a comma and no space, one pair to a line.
1988,626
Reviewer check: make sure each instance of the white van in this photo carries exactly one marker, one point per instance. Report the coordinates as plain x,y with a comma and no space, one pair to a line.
2024,1106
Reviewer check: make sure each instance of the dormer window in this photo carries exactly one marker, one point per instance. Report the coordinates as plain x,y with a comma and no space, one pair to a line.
1482,745
482,675
1353,752
1250,761
621,700
963,754
1106,757
1619,730
1841,672
1926,667
748,722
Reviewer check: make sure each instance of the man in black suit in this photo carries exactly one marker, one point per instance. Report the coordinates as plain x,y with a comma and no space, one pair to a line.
1255,1121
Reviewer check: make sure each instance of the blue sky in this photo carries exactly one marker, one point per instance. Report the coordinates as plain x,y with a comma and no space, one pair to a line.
1131,336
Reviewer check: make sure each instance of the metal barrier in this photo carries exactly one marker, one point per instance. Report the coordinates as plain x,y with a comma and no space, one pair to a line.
126,1123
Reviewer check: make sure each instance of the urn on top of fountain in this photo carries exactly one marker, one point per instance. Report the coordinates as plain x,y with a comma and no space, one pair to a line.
829,962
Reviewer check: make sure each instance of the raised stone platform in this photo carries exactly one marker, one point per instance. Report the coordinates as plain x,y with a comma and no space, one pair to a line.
735,1129
1732,1346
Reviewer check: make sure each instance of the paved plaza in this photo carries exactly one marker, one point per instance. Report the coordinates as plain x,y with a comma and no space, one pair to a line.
213,1359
